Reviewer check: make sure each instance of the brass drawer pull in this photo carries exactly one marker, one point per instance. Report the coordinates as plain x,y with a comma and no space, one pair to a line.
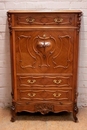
56,20
28,20
57,95
31,81
31,95
57,81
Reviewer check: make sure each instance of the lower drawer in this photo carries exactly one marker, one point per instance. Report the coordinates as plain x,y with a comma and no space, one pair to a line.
62,95
44,106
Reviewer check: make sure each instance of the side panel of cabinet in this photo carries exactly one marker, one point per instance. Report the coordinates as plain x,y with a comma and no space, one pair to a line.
13,66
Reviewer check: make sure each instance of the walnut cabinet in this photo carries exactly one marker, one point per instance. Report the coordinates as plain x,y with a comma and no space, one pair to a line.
44,61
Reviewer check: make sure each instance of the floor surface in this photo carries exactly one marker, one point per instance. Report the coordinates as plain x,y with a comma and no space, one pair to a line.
27,121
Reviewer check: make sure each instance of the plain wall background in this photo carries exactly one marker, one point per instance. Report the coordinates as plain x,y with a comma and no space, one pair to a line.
40,5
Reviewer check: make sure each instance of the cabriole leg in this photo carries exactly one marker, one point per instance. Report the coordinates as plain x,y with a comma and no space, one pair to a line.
13,112
75,111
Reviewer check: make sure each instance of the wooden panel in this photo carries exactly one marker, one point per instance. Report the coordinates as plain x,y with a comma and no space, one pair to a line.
48,51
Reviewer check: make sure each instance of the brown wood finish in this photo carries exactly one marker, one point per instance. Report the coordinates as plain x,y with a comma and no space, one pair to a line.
44,56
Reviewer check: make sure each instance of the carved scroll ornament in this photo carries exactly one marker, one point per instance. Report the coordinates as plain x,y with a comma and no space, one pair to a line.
9,23
44,47
44,108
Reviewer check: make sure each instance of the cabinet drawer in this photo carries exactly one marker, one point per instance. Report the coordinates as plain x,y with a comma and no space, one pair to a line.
44,19
64,95
44,81
45,107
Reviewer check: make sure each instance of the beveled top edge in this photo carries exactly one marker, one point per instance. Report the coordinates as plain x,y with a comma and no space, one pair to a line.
35,11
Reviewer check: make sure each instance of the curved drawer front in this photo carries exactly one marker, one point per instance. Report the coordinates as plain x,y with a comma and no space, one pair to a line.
44,19
61,95
45,107
44,81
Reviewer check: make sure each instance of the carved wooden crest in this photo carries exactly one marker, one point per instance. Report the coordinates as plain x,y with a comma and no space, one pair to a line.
44,108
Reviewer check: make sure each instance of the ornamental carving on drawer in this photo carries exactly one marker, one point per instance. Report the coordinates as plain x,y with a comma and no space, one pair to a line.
44,108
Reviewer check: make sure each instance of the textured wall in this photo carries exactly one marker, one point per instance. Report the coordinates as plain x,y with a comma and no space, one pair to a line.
43,5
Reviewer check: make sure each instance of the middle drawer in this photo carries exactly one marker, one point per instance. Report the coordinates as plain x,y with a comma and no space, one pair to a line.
44,80
30,94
